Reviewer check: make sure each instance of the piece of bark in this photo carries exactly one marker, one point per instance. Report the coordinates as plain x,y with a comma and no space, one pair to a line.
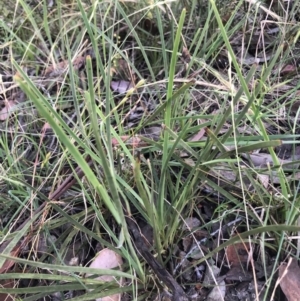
160,271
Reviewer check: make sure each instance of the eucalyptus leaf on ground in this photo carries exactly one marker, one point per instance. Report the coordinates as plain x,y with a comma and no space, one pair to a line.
108,259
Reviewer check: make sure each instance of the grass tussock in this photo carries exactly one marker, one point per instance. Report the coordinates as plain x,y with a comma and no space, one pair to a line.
164,131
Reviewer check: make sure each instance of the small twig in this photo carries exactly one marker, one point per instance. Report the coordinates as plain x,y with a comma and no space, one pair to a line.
161,272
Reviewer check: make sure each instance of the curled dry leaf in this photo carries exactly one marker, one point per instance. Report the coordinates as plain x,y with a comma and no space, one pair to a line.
289,279
186,55
108,259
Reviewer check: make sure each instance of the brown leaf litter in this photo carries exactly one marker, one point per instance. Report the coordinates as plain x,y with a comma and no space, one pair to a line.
289,279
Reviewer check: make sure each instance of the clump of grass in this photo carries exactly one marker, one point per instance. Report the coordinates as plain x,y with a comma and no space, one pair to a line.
213,107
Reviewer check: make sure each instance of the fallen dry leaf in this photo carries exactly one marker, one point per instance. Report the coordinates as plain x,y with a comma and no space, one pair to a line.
238,273
218,292
238,254
9,263
108,259
46,127
264,179
134,142
288,69
7,110
211,274
186,55
289,279
263,160
60,68
121,86
198,136
190,223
